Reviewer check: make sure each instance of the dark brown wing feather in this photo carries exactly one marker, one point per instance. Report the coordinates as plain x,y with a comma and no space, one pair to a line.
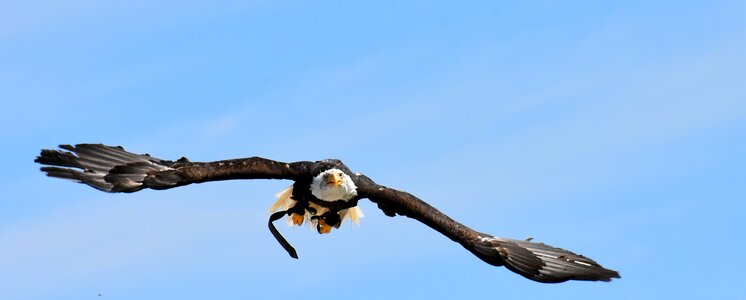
535,261
544,263
112,169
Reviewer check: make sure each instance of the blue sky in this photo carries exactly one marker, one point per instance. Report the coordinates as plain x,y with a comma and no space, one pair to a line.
613,129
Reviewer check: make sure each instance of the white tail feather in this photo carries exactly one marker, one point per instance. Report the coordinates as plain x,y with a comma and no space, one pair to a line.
283,200
354,214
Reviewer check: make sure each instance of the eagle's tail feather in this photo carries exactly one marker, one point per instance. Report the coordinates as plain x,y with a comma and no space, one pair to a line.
283,200
110,169
539,261
353,213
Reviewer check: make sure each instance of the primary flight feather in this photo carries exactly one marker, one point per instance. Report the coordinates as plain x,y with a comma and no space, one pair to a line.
323,195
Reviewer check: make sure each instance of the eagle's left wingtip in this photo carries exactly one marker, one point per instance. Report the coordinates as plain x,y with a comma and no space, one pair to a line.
541,262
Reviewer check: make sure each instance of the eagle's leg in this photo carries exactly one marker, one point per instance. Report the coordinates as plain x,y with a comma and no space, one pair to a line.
329,220
298,212
296,209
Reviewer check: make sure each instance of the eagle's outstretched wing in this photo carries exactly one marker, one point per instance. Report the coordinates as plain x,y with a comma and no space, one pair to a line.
535,261
112,169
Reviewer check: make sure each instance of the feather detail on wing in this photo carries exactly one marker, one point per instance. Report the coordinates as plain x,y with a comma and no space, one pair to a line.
107,168
543,263
112,169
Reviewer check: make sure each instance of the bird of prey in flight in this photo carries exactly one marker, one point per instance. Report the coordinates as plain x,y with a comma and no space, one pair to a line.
324,194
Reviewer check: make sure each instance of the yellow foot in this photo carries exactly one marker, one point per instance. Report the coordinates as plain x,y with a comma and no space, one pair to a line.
324,228
297,219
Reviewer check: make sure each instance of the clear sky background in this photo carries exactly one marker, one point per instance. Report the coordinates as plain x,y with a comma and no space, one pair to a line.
615,129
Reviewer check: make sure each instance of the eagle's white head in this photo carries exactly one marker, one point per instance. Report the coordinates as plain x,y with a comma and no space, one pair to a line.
333,185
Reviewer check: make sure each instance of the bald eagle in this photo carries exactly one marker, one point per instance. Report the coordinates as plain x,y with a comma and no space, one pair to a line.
324,194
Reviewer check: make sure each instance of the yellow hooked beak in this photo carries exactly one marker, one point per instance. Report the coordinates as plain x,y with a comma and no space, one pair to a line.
334,179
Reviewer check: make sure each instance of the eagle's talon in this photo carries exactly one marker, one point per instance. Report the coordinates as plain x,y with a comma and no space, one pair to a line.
324,228
297,219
